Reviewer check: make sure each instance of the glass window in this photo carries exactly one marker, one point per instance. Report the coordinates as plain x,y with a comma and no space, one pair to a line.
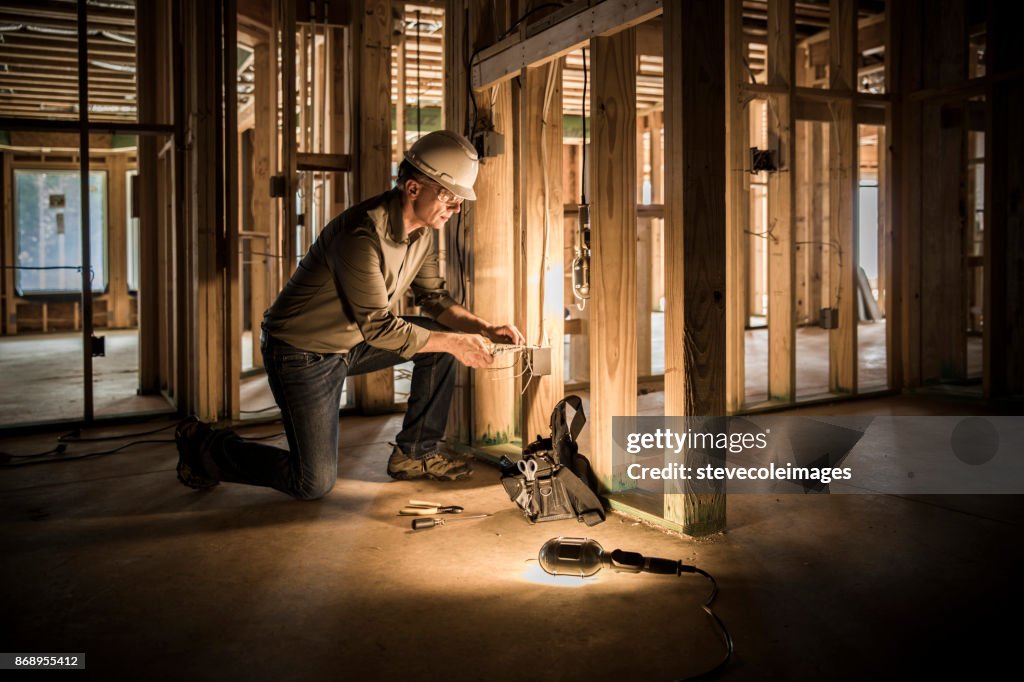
47,208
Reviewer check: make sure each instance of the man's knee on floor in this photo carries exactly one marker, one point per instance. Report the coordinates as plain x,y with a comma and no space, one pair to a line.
314,489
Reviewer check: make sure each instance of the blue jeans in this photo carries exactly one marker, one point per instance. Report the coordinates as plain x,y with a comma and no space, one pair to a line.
307,387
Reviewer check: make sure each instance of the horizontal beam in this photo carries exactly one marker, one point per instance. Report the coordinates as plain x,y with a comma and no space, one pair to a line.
26,111
323,162
642,210
7,123
65,10
54,96
10,53
95,23
96,74
604,19
816,110
58,82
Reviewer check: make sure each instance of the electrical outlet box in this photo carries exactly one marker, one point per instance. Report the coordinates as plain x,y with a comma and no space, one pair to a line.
98,346
762,160
829,318
540,361
278,187
489,143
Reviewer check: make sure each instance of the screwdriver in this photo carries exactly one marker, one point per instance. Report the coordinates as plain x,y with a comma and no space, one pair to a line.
413,510
423,524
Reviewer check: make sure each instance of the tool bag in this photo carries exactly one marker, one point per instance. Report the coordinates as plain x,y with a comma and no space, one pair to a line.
563,486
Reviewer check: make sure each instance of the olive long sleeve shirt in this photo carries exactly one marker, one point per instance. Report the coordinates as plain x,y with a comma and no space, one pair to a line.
344,288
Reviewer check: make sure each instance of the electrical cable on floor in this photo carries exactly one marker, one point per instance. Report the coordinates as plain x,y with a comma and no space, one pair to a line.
7,460
75,436
8,464
7,457
726,637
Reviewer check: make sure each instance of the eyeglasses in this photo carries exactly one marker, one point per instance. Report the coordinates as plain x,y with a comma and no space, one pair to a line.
446,197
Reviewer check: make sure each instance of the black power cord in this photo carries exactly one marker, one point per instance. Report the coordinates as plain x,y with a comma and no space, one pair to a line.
76,435
726,637
11,461
6,462
583,557
583,117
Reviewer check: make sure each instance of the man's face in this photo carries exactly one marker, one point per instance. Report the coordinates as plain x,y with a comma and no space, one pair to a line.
433,204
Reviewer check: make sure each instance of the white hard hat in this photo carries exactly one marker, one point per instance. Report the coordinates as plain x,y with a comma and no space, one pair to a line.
447,158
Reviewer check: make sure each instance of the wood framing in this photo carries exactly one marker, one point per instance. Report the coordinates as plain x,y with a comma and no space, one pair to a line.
644,290
540,191
906,179
943,349
805,307
737,208
577,325
339,129
118,307
493,251
695,237
84,213
374,392
264,266
206,309
658,197
456,51
781,195
9,324
504,60
613,377
643,255
842,195
284,26
400,96
228,228
1004,241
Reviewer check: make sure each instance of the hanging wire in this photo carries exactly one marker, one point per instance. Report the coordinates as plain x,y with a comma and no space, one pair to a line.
418,109
581,303
583,115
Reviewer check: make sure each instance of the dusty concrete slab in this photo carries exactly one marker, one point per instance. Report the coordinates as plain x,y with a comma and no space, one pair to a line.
112,557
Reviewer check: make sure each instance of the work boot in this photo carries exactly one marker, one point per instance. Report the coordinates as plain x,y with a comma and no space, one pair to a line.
189,436
434,465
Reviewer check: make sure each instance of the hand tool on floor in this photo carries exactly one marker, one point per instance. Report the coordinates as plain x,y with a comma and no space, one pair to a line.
423,509
423,524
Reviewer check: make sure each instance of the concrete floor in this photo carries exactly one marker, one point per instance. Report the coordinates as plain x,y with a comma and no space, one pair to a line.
42,378
112,557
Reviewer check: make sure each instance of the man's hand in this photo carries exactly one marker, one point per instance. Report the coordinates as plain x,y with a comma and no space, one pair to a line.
504,333
472,350
459,318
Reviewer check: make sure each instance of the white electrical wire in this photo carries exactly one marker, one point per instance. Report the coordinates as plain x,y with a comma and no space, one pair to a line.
549,91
